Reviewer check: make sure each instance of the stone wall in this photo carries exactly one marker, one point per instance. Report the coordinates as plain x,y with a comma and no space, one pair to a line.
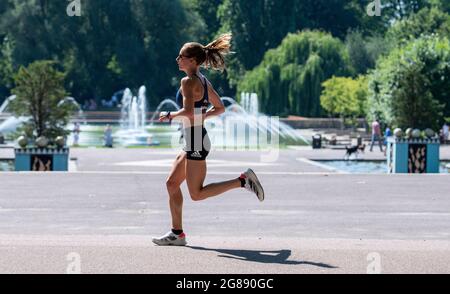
319,123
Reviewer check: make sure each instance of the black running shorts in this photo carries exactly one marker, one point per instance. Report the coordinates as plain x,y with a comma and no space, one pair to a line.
197,143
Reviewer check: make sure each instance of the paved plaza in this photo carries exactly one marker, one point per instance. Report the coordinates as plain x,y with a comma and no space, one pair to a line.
104,212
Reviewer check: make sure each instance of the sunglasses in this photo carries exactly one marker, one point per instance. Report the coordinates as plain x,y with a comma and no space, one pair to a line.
181,56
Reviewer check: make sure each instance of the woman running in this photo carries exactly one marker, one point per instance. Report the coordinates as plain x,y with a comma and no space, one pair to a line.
196,93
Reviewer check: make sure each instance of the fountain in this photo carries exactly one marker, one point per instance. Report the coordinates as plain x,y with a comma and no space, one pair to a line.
5,104
134,109
243,127
161,107
11,124
133,120
126,102
80,113
79,117
240,127
249,102
228,100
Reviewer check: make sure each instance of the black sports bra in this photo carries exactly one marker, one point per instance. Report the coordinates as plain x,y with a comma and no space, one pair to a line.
203,103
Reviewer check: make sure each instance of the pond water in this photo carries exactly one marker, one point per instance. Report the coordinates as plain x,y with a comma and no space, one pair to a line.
370,167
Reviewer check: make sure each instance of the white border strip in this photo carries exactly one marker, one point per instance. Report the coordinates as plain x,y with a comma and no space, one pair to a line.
219,173
238,172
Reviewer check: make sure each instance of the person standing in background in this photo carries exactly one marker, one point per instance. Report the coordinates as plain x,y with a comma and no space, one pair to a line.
76,133
376,135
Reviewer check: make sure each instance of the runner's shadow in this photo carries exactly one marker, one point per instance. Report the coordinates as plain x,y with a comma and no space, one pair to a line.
279,256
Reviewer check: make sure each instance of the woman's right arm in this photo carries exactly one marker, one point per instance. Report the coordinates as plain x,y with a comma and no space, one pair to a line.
187,86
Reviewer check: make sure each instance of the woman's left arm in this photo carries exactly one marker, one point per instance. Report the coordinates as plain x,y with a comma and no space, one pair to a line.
217,106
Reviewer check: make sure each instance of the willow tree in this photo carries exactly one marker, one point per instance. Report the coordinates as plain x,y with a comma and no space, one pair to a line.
289,79
260,25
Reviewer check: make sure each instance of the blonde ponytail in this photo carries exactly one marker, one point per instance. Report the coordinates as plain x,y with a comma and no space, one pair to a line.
211,55
216,52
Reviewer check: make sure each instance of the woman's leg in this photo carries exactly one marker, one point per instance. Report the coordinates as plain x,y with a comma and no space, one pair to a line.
195,176
173,183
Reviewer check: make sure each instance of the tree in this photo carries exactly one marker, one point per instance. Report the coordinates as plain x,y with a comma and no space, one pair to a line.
414,105
401,9
129,43
40,92
207,11
345,97
205,27
6,67
358,53
443,5
365,51
113,45
289,79
411,84
260,25
426,21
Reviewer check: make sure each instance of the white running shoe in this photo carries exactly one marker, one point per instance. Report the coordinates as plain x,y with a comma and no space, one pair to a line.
252,184
171,239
